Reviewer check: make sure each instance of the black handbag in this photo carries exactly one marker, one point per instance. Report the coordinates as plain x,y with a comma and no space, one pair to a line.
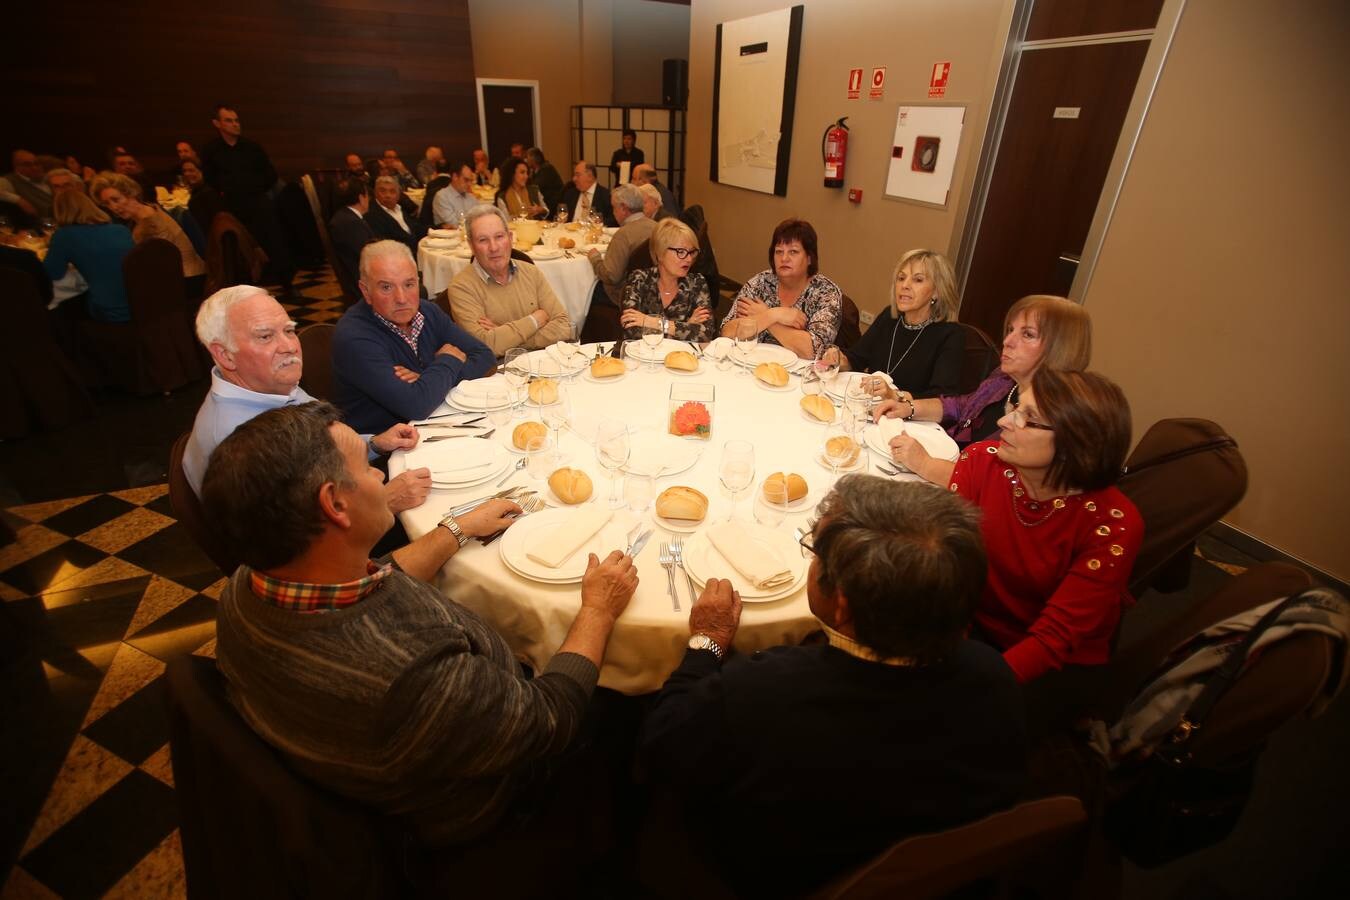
1168,807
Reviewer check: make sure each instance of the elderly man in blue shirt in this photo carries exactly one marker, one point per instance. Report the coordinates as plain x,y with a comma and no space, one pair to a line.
257,367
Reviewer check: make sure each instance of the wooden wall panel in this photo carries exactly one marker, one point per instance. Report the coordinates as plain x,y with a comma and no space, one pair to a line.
311,80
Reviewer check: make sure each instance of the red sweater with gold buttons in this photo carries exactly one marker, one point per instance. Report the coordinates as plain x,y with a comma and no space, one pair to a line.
1058,567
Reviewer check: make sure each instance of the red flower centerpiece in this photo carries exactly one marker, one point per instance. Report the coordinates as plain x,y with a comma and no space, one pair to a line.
691,408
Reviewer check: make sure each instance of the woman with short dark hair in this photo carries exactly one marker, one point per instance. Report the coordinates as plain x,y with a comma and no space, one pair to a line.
1061,538
790,303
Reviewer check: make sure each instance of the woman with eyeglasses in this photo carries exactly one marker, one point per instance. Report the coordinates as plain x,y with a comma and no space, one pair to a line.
1060,537
1040,331
668,291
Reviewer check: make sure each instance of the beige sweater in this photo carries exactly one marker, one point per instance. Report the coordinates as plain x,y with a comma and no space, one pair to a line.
612,268
160,225
509,305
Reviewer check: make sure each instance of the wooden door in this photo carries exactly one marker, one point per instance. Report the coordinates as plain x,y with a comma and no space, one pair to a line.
508,114
1064,119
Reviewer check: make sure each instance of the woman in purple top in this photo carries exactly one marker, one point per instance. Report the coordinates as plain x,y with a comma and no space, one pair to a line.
1039,330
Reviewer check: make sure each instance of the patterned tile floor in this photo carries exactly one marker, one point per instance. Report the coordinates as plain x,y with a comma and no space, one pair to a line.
99,591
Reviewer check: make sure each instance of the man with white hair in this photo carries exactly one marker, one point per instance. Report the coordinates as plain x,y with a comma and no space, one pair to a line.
646,174
651,203
395,356
387,218
635,230
500,303
430,165
257,367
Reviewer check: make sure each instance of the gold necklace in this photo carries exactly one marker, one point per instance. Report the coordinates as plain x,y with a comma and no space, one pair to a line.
1019,492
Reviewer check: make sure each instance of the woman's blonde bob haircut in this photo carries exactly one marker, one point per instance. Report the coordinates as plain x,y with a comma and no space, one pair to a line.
667,232
939,269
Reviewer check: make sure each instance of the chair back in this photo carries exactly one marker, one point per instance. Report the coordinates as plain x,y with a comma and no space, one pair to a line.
250,827
39,386
232,255
187,509
187,222
639,258
1184,476
981,355
426,215
316,345
442,299
850,325
153,274
934,865
521,256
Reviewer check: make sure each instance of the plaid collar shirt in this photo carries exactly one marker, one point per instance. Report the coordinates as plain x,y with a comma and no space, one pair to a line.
412,334
862,651
301,597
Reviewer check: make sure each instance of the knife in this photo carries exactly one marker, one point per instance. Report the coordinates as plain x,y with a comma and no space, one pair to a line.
431,419
641,542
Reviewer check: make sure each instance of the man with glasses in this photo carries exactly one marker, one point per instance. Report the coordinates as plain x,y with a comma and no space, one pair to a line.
802,761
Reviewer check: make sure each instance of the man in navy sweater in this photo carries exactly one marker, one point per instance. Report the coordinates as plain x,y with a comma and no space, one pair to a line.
800,762
395,357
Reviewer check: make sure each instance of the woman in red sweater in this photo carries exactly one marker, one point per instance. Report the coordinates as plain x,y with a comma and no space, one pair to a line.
1061,539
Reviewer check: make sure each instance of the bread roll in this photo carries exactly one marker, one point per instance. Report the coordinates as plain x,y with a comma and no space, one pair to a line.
571,485
796,486
682,361
682,503
606,367
819,407
566,243
836,446
772,374
525,431
543,391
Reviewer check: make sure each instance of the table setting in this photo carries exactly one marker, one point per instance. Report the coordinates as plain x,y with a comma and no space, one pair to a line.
715,474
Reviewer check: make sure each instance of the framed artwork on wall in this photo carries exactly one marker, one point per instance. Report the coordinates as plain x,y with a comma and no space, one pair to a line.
754,95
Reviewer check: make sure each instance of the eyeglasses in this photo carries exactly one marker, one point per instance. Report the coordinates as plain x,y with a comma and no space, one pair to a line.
808,538
1019,420
682,253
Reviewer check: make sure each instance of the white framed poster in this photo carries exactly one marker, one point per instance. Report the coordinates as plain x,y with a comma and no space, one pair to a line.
754,94
923,153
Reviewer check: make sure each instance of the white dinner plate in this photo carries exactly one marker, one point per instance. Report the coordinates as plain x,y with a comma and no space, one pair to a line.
489,475
516,540
704,561
543,253
608,379
765,353
770,387
812,419
653,450
472,395
696,371
680,526
859,464
937,442
667,345
459,463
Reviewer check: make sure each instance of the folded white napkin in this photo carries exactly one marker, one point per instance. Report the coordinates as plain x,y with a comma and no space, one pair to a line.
720,346
443,233
554,548
761,566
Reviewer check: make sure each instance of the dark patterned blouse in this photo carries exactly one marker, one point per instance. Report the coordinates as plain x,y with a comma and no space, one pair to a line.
822,303
642,291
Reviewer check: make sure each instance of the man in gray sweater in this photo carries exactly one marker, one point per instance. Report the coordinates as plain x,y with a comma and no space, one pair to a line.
365,677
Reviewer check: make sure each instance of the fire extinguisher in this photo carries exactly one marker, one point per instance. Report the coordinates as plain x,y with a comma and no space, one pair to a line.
834,150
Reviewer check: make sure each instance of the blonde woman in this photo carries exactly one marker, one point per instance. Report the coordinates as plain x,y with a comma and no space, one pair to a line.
122,197
669,290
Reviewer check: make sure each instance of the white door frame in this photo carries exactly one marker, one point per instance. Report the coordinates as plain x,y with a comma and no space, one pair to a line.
508,82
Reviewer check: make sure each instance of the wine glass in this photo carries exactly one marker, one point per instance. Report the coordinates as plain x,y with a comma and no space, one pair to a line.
516,368
771,504
499,406
652,335
611,451
839,446
827,363
856,397
745,342
810,382
639,489
561,217
736,470
558,413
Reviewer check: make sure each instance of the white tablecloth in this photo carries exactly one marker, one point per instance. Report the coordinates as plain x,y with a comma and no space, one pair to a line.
649,639
571,279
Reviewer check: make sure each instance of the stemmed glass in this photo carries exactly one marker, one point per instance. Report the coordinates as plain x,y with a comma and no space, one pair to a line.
516,368
745,341
837,453
558,413
652,335
561,217
611,451
736,470
827,363
856,398
810,382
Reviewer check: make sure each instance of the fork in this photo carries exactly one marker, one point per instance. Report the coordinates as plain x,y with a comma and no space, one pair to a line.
677,550
533,505
667,560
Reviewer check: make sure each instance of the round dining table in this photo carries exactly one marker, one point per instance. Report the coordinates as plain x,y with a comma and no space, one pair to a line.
649,639
568,272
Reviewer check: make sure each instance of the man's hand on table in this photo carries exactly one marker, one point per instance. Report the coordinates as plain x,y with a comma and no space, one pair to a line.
608,586
409,490
400,437
489,518
453,351
717,612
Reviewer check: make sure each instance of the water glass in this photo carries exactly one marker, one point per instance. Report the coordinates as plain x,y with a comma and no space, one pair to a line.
771,503
499,406
631,355
539,459
516,369
639,489
745,342
736,469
